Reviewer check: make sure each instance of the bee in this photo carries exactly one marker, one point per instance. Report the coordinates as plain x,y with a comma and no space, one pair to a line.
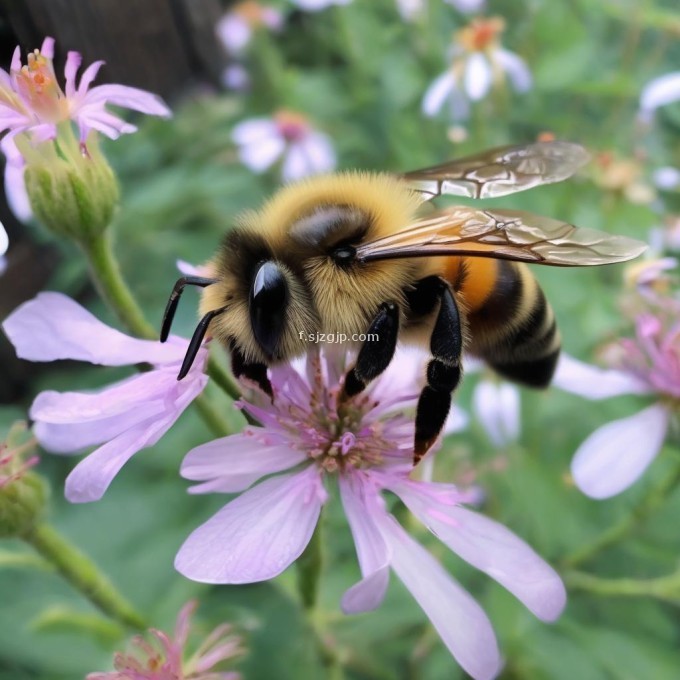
355,252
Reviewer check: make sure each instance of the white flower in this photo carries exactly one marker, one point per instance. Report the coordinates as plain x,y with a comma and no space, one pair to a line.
659,92
318,5
235,29
497,407
667,178
4,241
288,136
478,63
467,6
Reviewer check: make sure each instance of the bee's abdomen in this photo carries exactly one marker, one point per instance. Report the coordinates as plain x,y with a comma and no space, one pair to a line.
510,323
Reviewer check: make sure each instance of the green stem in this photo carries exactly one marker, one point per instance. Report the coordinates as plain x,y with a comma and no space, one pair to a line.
222,379
211,417
309,570
665,588
83,575
654,498
109,281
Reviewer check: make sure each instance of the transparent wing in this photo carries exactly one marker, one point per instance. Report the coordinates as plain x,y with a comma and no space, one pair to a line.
502,234
501,171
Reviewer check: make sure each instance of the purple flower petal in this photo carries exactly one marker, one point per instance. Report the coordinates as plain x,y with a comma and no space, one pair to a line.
98,118
258,535
68,421
47,48
237,461
617,454
91,477
128,98
73,61
437,93
489,547
88,76
478,76
592,382
460,621
361,501
52,327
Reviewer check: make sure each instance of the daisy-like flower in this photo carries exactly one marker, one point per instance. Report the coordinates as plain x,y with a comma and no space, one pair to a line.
163,657
236,28
32,103
120,419
623,177
317,5
309,438
478,62
616,455
410,9
289,137
497,407
31,98
659,92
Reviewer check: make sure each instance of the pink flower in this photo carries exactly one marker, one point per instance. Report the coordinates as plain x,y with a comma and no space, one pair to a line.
32,102
618,453
163,657
287,136
308,439
120,419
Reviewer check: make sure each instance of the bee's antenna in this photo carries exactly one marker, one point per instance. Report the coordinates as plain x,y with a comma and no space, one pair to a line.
196,340
171,307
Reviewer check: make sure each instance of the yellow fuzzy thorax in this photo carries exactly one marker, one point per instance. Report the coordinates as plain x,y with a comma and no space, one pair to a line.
388,200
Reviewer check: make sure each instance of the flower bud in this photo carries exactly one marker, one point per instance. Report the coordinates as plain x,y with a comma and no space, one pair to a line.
23,494
71,188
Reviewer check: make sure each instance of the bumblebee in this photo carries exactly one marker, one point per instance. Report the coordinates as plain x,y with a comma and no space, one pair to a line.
355,252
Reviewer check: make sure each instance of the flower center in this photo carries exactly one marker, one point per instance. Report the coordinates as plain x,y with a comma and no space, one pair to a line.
37,84
481,34
292,126
251,12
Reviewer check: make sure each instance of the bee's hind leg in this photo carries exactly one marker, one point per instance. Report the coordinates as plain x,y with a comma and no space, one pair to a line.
375,355
443,373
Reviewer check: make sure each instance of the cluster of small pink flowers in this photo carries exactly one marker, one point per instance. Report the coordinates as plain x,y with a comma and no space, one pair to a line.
163,658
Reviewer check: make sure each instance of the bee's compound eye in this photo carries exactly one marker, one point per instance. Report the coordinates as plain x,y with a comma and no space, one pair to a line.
344,255
268,303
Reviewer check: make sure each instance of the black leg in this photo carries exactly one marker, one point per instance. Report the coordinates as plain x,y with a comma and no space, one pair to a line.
171,307
443,373
374,356
196,340
256,372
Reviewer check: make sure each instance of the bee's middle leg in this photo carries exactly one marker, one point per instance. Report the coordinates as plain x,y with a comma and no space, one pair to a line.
443,371
374,356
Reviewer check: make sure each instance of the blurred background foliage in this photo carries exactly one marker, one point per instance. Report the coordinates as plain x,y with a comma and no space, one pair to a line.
359,72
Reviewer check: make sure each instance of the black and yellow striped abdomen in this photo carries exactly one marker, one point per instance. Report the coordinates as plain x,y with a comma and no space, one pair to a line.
510,324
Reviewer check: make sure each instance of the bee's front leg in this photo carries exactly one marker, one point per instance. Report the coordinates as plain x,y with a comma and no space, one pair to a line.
255,371
443,373
374,356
